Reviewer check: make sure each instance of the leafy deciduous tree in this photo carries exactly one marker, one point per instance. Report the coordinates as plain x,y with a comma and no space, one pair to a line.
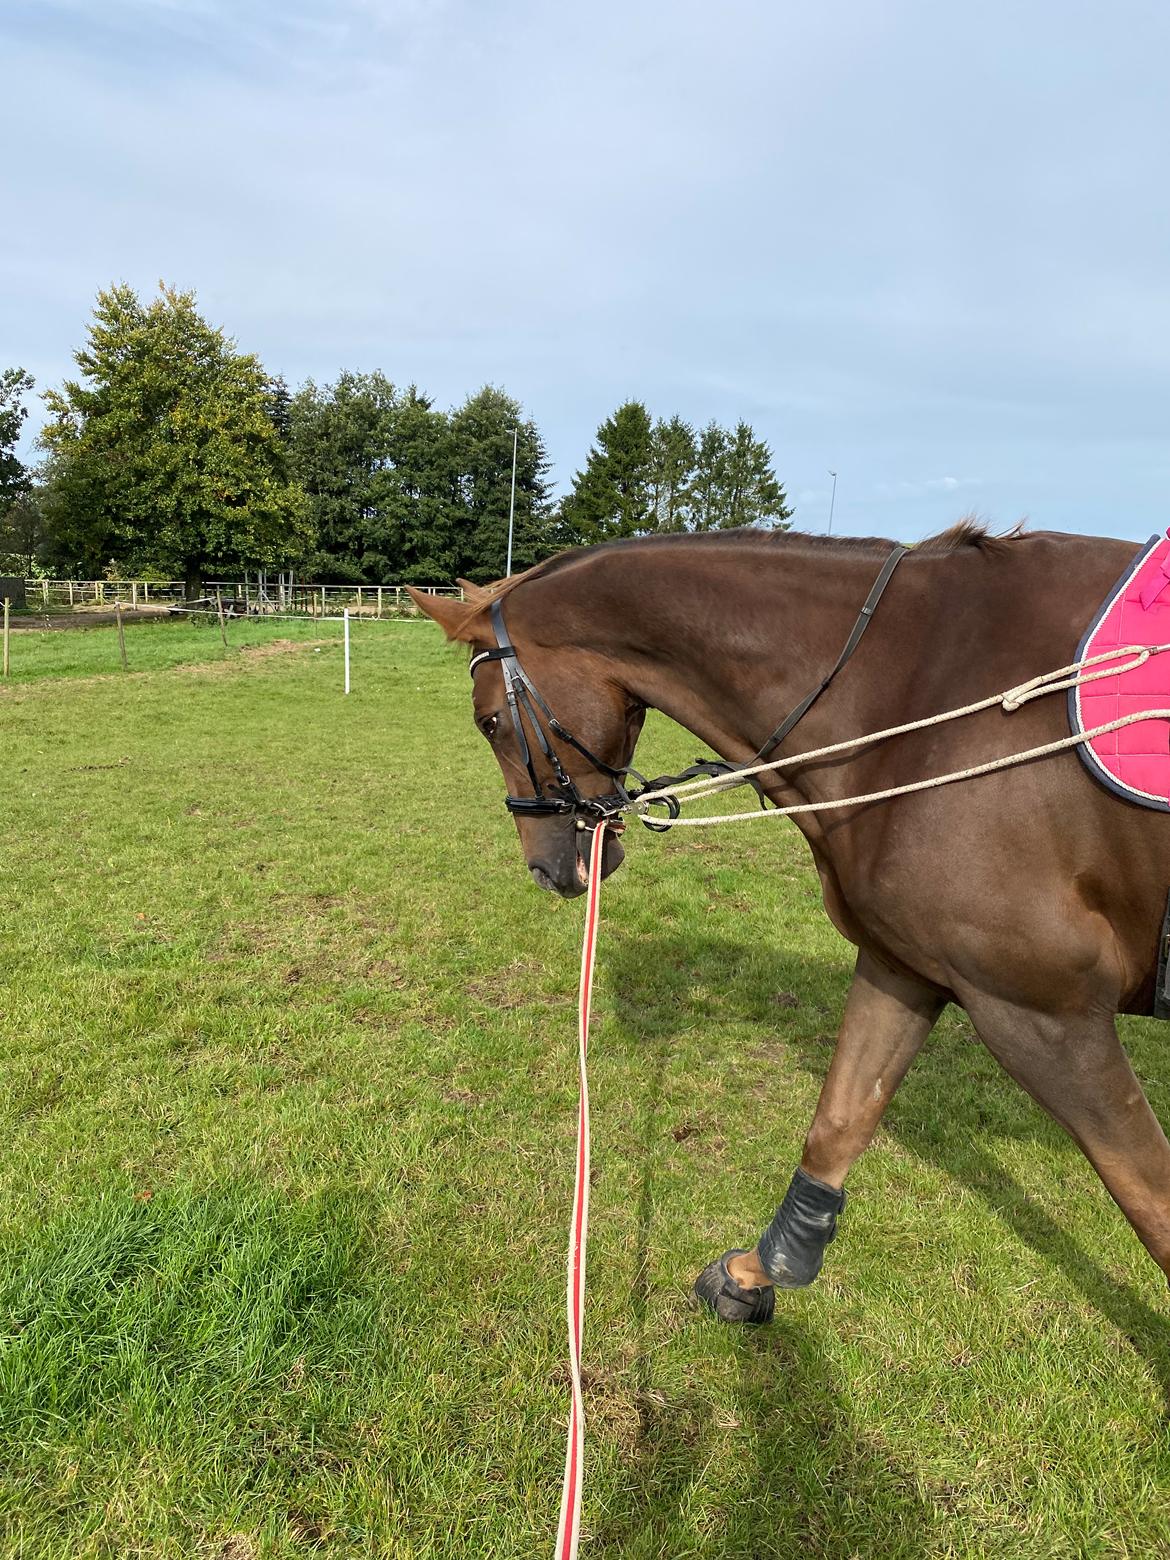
163,453
14,475
23,533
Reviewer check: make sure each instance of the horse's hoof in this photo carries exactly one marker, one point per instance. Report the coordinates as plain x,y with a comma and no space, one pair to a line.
730,1302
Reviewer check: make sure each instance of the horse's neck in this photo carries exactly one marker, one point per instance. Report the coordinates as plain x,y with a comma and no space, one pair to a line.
727,643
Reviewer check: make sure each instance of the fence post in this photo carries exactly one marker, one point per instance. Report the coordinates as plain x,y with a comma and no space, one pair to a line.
145,591
121,637
70,592
45,592
7,605
222,624
345,616
359,599
134,594
379,601
322,601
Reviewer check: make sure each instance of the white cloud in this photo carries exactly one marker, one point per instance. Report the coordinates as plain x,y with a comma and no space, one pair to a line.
924,487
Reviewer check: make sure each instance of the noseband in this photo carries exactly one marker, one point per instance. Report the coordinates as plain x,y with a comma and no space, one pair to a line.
563,796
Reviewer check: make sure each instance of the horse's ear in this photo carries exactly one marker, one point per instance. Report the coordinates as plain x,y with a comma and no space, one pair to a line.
453,617
474,593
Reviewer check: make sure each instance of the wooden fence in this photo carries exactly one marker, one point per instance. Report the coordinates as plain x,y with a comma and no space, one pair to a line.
307,599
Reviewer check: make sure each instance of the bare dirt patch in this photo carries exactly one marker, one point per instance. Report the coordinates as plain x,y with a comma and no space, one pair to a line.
248,654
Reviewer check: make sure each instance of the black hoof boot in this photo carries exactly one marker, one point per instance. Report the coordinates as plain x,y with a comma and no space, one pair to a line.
730,1302
792,1248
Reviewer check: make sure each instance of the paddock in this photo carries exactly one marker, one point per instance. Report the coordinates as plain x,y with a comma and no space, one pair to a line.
288,1069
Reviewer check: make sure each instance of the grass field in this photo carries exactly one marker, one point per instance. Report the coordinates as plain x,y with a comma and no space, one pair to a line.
287,1079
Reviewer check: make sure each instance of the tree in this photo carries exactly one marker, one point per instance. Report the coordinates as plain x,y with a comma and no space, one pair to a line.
482,449
402,491
753,495
163,454
734,483
614,495
424,505
673,454
15,481
279,400
341,439
23,533
643,477
710,480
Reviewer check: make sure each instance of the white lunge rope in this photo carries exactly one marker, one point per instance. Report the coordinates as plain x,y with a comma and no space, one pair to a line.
570,1522
1010,700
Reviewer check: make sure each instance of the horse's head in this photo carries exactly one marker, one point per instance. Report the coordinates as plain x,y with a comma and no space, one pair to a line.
577,687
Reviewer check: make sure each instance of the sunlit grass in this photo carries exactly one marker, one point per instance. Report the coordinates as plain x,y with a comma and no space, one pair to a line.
287,1076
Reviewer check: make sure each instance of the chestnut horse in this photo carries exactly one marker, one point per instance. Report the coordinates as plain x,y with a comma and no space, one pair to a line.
1032,897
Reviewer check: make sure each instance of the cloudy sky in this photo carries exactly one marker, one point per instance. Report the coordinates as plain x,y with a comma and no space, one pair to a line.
924,245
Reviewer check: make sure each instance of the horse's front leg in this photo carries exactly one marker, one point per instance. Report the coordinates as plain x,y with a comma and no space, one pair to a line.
887,1018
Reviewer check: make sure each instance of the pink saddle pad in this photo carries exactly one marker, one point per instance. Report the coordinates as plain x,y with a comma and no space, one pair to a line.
1135,761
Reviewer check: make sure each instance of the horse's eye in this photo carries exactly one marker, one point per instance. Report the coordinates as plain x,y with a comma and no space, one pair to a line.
488,726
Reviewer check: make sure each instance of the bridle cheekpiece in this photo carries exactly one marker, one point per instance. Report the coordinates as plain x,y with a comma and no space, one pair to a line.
563,797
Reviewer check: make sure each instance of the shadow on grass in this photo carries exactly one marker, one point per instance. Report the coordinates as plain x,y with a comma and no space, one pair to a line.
808,1481
800,1478
742,979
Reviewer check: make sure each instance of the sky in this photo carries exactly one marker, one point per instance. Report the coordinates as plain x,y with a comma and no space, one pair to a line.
924,246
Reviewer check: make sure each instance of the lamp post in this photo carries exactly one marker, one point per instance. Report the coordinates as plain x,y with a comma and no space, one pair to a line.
832,501
515,432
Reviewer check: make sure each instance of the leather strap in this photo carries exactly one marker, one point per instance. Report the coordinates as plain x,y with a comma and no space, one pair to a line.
851,644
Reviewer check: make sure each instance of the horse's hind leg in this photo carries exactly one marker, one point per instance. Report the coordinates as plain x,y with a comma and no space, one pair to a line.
1074,1066
887,1017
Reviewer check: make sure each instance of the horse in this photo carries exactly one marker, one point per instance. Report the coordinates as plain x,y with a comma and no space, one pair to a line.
1031,897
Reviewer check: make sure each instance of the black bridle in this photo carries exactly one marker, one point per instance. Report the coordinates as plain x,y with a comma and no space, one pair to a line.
563,798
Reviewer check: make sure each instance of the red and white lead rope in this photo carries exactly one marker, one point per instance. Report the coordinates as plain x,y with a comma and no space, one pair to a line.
570,1523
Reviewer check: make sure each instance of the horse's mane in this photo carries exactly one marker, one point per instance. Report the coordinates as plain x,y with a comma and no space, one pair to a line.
969,532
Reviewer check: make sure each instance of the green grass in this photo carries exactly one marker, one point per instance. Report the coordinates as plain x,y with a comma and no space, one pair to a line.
152,645
287,1076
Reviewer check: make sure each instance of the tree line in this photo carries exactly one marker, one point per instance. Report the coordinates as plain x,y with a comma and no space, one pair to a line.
173,454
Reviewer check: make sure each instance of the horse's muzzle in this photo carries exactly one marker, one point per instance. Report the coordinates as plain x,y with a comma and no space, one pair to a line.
564,869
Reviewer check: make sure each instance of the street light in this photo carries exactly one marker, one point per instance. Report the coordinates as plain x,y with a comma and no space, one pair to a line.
832,501
515,432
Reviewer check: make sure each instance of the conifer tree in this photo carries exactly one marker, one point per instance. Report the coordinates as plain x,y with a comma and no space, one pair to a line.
482,446
614,495
673,455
